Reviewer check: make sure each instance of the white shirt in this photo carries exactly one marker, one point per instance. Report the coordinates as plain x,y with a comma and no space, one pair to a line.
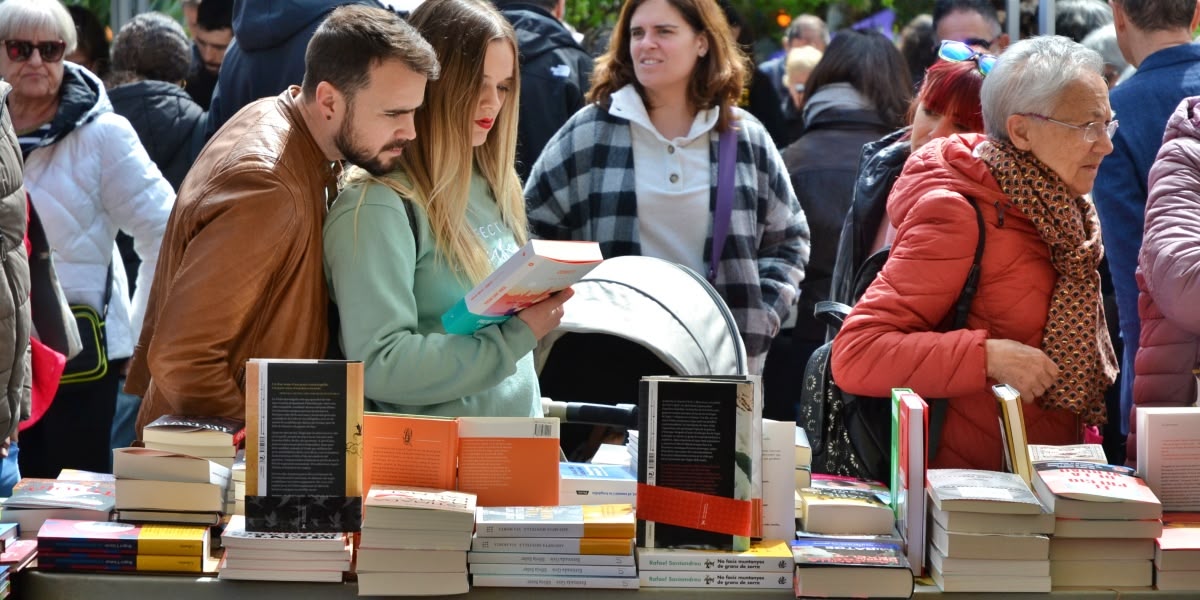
673,182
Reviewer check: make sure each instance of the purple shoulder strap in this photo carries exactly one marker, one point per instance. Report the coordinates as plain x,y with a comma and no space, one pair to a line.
726,161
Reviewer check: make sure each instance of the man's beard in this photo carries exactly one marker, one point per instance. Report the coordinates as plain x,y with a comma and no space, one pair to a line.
346,143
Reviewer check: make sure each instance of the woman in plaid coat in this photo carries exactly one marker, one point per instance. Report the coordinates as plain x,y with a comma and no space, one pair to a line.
660,97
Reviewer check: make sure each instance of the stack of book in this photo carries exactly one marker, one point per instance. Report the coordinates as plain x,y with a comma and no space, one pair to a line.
632,444
803,460
589,483
18,554
1177,553
1105,522
845,568
66,545
511,547
35,500
214,438
238,475
415,541
264,556
987,533
766,565
835,505
165,487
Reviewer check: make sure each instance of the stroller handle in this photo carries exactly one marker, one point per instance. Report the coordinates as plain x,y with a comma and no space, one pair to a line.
621,415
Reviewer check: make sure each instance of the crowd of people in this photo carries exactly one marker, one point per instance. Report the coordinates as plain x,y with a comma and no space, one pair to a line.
316,178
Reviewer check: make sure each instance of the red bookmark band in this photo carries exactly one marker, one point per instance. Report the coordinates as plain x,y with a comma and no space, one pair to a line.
692,509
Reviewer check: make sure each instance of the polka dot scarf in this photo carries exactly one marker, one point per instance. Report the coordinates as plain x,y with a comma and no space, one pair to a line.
1076,337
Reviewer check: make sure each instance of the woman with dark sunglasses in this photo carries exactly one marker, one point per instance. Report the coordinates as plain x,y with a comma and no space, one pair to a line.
1036,320
87,177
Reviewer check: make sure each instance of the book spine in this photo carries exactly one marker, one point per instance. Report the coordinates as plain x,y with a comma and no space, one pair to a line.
648,560
79,545
129,562
554,570
171,547
620,583
518,558
709,579
624,531
553,545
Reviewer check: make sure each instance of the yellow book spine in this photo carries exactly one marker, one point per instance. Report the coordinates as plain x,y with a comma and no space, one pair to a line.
187,564
606,546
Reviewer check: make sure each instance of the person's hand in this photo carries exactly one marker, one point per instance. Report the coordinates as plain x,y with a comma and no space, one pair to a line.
4,449
544,316
1023,367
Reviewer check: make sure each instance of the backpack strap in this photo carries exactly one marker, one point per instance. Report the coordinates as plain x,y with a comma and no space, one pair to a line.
938,406
726,161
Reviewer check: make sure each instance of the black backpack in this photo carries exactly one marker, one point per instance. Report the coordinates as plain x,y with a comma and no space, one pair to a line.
852,435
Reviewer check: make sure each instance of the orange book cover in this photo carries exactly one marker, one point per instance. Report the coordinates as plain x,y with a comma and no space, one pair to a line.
509,461
409,451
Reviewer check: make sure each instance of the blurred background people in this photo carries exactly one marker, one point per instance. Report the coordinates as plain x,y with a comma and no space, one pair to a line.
973,22
87,176
91,50
800,63
212,34
803,31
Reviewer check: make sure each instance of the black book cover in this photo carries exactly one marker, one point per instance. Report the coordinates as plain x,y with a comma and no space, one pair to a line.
304,446
688,441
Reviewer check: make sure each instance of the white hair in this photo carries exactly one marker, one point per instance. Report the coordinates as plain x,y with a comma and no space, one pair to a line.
1029,77
22,17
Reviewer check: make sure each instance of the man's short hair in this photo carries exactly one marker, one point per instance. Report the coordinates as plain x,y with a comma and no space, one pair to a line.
214,15
941,8
808,27
546,5
353,39
1158,15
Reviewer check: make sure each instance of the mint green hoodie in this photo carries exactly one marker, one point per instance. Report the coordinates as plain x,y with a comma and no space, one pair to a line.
391,293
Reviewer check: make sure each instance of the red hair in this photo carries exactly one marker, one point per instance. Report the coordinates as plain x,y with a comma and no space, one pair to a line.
952,89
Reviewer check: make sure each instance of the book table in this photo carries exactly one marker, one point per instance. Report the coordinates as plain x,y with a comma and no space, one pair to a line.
38,585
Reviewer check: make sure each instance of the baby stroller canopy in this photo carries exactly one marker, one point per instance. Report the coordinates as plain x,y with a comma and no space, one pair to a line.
630,317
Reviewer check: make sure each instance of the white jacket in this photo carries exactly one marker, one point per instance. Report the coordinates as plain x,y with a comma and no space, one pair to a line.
87,184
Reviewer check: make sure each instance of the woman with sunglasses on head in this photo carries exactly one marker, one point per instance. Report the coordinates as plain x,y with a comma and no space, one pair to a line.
637,169
947,103
1036,321
87,177
402,247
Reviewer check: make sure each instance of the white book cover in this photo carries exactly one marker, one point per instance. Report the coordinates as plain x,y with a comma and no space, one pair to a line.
519,558
618,583
778,473
1168,447
553,570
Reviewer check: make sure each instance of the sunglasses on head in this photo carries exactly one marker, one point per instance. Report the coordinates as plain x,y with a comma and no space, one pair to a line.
961,52
21,50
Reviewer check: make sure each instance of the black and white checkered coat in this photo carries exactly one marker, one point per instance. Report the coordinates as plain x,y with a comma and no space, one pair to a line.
582,188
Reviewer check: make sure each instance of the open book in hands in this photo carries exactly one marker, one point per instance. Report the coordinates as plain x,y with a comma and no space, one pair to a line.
529,276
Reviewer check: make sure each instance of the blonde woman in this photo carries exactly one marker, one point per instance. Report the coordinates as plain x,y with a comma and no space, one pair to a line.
401,248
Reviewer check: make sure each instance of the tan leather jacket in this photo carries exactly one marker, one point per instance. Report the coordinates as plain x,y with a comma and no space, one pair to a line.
240,273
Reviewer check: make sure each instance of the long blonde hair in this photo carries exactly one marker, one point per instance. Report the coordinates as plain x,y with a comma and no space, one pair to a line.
438,163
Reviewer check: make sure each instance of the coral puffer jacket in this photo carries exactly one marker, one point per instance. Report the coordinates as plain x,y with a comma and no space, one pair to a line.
1168,274
896,335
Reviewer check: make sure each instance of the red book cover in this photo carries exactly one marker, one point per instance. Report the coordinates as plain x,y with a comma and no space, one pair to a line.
1094,482
113,537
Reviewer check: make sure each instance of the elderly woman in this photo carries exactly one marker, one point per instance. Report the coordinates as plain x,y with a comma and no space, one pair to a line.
1037,321
1169,349
664,93
87,176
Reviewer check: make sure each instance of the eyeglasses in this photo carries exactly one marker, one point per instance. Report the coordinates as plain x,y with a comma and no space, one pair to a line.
1091,131
960,52
22,50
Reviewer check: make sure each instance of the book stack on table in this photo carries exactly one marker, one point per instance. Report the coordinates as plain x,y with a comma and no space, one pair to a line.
1105,522
766,565
987,533
269,556
588,483
66,545
554,546
415,541
1177,553
238,477
212,438
157,486
15,554
34,500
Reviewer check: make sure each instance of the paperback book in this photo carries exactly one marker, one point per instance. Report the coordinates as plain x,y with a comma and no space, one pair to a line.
304,445
1012,430
972,490
1168,454
195,431
766,555
112,537
390,507
910,425
1086,490
590,521
530,275
695,470
846,569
